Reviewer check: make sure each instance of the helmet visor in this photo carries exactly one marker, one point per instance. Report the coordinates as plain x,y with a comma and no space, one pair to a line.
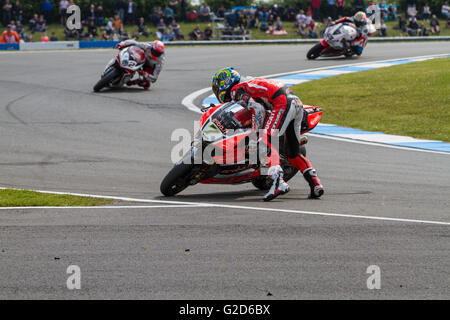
215,89
155,52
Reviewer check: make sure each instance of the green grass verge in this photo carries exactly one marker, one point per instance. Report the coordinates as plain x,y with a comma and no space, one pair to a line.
411,99
25,198
256,34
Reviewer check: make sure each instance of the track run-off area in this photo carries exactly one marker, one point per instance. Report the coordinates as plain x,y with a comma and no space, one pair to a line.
383,206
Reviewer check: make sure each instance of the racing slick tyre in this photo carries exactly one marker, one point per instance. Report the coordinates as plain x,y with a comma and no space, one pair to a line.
349,53
315,51
106,79
176,180
264,182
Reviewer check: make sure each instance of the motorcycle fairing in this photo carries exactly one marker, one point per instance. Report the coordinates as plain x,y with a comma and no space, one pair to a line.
131,58
236,150
313,115
234,178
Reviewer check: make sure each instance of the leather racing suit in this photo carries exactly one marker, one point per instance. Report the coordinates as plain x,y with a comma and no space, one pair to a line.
283,111
359,43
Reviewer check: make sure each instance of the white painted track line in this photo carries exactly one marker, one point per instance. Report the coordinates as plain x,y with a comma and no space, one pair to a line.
368,143
188,101
217,205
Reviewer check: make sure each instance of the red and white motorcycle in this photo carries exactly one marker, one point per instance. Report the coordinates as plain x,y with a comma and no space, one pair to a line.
126,66
335,38
227,159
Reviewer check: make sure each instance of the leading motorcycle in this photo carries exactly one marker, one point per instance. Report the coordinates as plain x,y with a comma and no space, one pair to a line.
335,39
229,165
127,65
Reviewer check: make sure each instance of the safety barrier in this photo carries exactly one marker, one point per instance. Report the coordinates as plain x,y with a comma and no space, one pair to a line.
98,44
111,44
56,45
9,46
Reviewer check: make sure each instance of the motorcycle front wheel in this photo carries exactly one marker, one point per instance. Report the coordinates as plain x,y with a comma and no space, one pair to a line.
176,180
109,76
315,51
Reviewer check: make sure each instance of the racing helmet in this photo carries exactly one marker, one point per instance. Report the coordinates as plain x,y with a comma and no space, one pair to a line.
223,81
360,18
157,49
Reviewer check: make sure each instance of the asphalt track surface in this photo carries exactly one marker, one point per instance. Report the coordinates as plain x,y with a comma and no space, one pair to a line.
55,134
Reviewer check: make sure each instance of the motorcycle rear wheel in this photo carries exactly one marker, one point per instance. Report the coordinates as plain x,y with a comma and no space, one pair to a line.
264,182
315,51
107,78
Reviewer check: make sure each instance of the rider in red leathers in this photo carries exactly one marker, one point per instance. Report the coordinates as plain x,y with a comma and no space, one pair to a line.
155,58
284,113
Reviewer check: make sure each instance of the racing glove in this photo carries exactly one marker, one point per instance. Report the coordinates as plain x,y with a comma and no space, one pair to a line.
241,97
244,99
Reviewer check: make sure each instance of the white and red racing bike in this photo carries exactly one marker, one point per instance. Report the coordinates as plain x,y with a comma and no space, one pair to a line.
336,38
127,65
229,165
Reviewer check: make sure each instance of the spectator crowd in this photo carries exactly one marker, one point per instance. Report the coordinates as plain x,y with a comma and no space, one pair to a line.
222,23
409,23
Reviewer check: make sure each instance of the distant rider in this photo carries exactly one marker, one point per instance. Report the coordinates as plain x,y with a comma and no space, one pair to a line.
155,58
359,20
274,107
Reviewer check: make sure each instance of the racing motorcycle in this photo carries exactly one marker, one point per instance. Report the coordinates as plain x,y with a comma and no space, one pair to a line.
193,168
335,38
124,67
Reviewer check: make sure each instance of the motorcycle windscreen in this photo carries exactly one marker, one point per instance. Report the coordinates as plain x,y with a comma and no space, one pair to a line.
233,116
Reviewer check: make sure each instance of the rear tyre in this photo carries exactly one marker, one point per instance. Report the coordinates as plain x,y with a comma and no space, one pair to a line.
176,180
107,78
264,182
315,51
348,54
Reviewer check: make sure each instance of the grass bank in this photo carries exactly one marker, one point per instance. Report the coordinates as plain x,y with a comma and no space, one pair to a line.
411,99
26,198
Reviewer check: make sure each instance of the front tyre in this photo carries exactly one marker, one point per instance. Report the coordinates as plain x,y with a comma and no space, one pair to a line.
176,180
108,77
315,51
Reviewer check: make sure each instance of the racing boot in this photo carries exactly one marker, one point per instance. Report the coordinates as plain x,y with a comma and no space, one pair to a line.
132,82
279,186
144,83
140,82
145,80
310,176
